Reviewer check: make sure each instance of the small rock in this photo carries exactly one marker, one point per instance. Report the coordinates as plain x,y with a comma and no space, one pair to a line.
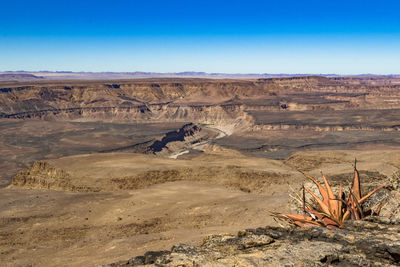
256,241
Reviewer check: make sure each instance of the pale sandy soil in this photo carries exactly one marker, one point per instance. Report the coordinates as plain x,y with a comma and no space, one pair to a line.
50,228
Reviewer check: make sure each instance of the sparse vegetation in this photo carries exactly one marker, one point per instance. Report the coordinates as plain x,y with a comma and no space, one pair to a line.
331,211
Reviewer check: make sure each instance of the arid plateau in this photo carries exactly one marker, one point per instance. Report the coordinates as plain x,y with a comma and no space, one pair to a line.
96,172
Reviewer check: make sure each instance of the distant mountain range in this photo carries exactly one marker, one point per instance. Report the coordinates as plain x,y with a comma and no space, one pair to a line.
69,75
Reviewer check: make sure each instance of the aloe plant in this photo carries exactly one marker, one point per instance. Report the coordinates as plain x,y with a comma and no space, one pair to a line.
330,210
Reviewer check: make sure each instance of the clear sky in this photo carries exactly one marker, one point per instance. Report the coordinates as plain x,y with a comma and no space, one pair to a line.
248,36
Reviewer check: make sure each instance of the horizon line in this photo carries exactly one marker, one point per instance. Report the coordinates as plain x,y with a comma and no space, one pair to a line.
194,73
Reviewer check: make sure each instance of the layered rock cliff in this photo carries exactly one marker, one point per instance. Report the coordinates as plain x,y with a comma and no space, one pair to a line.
195,100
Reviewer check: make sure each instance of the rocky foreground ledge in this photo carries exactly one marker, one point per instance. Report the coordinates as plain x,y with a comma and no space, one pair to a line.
363,243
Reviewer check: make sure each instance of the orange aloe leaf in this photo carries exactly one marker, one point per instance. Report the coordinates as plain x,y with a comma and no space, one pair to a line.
356,182
378,209
305,224
356,214
304,200
371,193
346,215
314,202
316,213
360,214
333,204
296,218
325,219
352,206
293,216
339,207
343,213
322,191
323,206
330,223
299,223
352,212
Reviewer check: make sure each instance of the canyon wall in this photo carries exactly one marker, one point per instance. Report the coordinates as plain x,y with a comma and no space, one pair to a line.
218,102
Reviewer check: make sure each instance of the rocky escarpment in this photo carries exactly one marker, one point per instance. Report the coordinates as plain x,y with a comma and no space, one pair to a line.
188,135
42,175
327,120
362,243
223,115
183,134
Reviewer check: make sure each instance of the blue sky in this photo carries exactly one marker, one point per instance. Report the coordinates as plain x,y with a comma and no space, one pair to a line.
345,37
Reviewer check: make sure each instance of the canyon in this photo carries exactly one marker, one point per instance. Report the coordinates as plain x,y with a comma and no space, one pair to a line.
123,167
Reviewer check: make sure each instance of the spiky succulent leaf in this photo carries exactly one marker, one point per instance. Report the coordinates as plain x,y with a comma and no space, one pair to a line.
329,211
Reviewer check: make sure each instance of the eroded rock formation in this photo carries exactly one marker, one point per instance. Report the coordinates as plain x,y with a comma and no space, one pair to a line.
362,243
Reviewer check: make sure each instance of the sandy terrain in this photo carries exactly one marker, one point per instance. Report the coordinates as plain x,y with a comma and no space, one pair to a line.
79,229
85,228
